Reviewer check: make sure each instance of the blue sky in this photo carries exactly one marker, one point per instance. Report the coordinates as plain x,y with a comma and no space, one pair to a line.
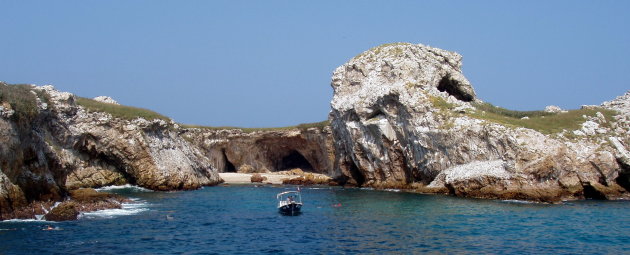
269,63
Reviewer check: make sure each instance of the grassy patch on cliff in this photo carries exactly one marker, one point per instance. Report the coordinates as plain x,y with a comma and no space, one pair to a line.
319,125
22,99
544,122
381,48
541,121
441,103
120,111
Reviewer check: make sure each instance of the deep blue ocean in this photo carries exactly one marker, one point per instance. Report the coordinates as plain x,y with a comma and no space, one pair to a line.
243,219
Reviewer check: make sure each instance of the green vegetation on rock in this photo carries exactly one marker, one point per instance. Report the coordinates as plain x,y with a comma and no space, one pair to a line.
440,103
541,121
394,51
120,111
22,99
544,122
489,108
319,125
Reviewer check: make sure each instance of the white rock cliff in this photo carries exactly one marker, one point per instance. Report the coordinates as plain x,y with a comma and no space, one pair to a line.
404,115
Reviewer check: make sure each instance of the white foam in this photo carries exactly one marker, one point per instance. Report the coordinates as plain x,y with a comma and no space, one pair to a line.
127,209
392,190
518,201
126,186
26,220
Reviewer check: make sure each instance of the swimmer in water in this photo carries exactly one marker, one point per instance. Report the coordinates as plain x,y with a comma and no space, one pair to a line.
48,227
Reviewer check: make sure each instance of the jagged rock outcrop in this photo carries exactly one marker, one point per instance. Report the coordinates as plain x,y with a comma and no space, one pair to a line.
59,145
106,99
404,115
234,150
99,149
67,143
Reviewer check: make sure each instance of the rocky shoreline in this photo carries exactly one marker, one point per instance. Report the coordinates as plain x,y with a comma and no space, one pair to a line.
403,116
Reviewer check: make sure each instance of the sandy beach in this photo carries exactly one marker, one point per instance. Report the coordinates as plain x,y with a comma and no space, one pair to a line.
240,178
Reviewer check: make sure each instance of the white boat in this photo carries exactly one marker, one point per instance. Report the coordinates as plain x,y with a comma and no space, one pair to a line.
289,202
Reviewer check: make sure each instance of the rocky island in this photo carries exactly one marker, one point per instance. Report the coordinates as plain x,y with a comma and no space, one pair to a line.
403,116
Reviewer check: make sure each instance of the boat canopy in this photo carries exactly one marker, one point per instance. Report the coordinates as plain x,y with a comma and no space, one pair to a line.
294,195
287,193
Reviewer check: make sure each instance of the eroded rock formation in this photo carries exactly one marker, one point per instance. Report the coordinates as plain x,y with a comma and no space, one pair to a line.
62,144
266,151
59,146
404,115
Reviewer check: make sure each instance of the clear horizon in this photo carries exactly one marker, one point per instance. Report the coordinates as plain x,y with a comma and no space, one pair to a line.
269,64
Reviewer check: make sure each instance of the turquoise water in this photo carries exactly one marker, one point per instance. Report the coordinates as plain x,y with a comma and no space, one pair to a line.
244,220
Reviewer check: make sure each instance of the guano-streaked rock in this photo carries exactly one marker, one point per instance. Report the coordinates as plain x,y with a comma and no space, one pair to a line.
400,119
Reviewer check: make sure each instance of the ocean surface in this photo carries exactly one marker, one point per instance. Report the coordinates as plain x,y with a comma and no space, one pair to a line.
243,219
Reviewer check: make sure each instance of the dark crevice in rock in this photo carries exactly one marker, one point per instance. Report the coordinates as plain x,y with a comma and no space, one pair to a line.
376,113
452,87
602,176
624,181
624,175
356,174
294,160
341,179
591,193
451,189
228,167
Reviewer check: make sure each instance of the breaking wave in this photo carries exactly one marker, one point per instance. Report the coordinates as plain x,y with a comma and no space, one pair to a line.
124,187
136,207
26,220
514,201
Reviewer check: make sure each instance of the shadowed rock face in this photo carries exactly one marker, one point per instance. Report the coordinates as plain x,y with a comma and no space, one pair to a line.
266,151
391,129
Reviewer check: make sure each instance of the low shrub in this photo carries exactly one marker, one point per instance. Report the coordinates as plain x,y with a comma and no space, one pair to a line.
544,122
320,125
119,111
22,100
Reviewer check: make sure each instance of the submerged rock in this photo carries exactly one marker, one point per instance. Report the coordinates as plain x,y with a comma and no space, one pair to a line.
65,211
84,200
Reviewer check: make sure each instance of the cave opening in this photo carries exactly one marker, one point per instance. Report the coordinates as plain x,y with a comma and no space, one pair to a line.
355,173
624,181
228,167
624,175
591,193
451,87
294,160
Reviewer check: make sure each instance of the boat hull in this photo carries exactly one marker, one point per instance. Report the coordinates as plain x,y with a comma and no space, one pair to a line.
290,209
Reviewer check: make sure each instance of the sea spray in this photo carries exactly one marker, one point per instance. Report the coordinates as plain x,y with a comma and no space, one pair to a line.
124,187
135,207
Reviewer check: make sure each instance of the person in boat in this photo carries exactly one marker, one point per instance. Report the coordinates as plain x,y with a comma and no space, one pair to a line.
290,199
